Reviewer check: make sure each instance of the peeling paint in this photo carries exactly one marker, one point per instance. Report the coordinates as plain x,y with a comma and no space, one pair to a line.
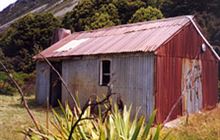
192,85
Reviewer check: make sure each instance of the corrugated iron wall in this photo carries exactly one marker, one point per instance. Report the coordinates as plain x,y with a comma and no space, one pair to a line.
134,80
132,76
210,83
186,44
168,86
42,82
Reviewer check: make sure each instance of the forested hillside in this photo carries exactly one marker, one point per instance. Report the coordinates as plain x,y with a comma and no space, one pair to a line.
20,7
25,37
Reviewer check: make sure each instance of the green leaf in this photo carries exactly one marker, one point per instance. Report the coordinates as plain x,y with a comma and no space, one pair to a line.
138,128
149,124
157,133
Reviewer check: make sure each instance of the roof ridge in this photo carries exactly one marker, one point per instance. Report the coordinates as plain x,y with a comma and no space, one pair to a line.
132,31
137,23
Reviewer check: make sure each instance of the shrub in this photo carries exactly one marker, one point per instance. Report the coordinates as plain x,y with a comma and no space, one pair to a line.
5,85
117,126
26,81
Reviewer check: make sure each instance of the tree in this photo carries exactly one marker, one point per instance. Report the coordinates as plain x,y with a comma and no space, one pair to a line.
100,20
146,14
80,16
127,8
87,12
19,40
155,3
106,16
206,11
112,11
185,7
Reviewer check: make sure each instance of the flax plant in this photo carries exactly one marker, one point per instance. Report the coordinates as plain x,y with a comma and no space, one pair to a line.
118,125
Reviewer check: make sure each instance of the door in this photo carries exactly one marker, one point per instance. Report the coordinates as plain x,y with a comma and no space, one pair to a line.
191,85
55,85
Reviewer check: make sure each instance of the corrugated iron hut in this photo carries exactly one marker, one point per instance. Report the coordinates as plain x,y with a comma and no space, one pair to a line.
151,64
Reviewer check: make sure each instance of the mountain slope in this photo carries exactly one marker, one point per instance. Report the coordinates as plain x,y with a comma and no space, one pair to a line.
23,7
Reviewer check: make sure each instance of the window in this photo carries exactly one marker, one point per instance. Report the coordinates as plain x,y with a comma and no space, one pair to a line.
105,72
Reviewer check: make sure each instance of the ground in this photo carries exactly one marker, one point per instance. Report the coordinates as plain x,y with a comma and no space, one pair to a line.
14,118
201,126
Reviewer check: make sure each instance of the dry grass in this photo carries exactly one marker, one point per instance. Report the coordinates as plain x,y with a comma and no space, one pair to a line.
14,118
201,126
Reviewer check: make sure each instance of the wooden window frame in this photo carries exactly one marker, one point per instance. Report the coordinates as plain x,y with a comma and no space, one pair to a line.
101,83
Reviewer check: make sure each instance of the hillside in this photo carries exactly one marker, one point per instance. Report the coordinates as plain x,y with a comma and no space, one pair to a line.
22,7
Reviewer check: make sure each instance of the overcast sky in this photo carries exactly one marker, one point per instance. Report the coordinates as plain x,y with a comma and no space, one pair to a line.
5,3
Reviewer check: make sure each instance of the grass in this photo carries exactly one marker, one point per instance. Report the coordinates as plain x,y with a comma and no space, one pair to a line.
14,118
201,126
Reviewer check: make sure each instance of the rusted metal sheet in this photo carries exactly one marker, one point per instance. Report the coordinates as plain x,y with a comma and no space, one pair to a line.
191,86
184,49
138,37
210,83
132,79
42,82
168,87
186,43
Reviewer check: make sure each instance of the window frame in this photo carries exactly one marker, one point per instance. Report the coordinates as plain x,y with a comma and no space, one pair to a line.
101,71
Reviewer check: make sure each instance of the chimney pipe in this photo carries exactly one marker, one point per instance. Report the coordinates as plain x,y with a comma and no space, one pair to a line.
60,34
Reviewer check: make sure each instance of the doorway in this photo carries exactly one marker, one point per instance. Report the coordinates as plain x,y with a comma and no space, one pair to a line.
192,86
55,84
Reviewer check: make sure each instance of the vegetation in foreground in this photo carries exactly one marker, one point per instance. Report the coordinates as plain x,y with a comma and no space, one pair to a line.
14,119
117,125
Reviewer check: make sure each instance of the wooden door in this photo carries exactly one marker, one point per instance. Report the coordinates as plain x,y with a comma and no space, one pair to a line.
191,85
55,85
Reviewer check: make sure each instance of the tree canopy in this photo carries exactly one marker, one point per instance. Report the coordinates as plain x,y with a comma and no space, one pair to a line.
146,14
93,14
19,41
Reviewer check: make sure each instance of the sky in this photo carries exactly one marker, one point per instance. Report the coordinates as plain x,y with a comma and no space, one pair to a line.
5,3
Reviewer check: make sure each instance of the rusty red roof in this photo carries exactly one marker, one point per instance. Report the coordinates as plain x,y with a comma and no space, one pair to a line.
138,37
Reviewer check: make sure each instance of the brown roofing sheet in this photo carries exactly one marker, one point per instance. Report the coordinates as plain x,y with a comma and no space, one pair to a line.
138,37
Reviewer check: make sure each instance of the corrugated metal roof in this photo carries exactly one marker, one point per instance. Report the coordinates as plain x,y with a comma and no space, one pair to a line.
138,37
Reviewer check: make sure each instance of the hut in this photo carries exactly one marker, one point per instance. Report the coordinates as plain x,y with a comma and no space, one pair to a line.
150,64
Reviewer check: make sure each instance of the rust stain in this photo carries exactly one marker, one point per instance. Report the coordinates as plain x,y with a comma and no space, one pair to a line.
210,84
168,87
137,37
174,59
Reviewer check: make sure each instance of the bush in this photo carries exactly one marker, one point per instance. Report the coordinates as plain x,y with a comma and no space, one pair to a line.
117,126
5,85
26,81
